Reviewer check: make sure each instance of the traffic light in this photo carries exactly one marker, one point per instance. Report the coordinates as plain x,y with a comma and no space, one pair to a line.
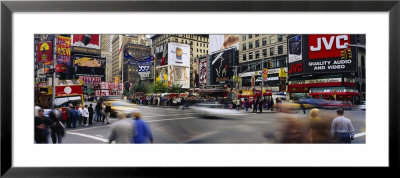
269,65
349,53
343,54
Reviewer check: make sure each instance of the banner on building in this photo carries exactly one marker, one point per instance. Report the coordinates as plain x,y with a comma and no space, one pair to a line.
86,40
90,80
294,49
221,42
195,67
179,76
63,50
178,54
221,66
203,71
44,52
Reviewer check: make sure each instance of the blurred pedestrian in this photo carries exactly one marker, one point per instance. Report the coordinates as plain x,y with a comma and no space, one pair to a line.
255,105
294,131
260,105
75,115
303,107
85,116
319,127
107,112
142,130
271,103
98,111
69,115
246,104
342,129
91,112
122,131
42,124
57,128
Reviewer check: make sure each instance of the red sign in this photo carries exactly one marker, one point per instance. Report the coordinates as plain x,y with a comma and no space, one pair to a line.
63,50
61,68
295,68
69,90
326,46
86,79
44,52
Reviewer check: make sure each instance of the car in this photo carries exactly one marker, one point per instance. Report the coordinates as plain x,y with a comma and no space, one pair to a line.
362,106
121,105
213,109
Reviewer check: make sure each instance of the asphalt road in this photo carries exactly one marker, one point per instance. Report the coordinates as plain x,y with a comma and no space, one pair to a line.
170,125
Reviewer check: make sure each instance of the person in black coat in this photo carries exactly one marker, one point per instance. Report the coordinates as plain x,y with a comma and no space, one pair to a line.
42,124
255,105
91,112
260,105
57,129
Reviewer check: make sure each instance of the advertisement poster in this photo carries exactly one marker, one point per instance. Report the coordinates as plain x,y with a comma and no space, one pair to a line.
44,52
89,66
294,49
203,71
178,54
86,40
220,42
179,76
221,63
195,73
90,80
63,50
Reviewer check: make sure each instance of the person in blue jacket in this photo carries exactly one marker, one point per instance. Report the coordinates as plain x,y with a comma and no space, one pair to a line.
143,132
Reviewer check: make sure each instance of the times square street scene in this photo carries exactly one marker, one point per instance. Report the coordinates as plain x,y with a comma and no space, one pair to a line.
199,88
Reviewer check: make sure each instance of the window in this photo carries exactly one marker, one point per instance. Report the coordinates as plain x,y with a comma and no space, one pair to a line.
280,49
257,43
251,56
279,38
271,51
256,35
244,46
264,41
257,54
243,37
250,36
244,57
250,45
264,52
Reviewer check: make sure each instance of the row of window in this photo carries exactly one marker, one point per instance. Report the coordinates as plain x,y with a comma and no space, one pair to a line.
257,44
275,63
264,53
271,39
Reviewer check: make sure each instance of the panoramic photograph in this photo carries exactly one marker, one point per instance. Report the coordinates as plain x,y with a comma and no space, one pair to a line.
199,89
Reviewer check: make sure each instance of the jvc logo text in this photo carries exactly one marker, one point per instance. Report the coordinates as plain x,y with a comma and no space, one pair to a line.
340,43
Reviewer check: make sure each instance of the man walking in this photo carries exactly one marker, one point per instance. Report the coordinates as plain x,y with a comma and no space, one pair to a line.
342,129
91,112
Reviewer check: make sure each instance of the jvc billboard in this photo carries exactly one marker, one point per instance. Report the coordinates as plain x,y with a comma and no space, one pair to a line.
321,54
221,66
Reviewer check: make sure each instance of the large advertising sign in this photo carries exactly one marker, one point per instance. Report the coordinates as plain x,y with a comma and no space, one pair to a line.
195,67
44,52
63,50
294,49
220,42
178,54
179,76
89,66
203,71
86,40
221,66
324,54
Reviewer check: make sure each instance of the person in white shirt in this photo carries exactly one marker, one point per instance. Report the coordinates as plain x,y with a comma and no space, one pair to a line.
85,116
80,115
342,129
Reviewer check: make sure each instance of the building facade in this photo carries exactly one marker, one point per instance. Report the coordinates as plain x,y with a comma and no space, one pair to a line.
106,52
260,52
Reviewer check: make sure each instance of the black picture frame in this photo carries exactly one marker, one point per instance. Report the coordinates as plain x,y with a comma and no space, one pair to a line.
8,7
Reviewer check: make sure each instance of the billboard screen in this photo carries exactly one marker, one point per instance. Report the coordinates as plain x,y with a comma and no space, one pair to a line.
220,42
89,66
178,54
86,40
324,54
221,66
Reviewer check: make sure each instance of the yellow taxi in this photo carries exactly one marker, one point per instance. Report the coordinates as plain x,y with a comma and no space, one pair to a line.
121,105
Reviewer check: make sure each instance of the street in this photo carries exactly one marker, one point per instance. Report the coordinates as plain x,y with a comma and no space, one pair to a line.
170,125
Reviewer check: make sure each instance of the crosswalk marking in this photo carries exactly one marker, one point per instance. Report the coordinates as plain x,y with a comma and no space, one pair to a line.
89,136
